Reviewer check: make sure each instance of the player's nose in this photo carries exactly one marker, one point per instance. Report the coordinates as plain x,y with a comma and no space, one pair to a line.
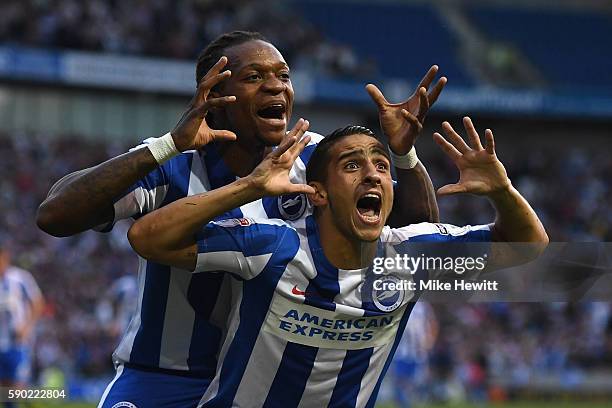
371,174
274,85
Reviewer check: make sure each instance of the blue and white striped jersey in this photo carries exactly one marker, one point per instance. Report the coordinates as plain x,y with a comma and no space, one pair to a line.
117,307
180,318
303,333
417,339
18,292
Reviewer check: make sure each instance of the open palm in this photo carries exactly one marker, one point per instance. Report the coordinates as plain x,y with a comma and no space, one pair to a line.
480,171
272,174
192,131
402,122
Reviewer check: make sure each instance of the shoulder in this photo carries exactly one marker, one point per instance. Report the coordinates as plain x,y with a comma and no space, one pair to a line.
298,171
427,231
23,278
315,138
16,273
245,233
251,237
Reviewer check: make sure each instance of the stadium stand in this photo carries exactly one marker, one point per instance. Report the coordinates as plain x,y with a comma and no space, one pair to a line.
570,48
161,29
404,38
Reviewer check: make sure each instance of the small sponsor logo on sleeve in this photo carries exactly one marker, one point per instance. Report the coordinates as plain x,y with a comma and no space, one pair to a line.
234,222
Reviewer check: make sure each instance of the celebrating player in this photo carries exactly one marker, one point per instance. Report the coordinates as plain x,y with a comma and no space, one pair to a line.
21,304
169,352
306,326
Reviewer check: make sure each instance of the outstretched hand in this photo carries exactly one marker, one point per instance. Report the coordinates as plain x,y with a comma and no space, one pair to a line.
192,131
402,122
480,171
272,174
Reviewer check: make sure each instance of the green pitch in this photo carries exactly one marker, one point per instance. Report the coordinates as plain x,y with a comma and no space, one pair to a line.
525,404
465,405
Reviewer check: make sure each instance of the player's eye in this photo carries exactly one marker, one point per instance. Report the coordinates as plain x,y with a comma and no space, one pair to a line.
351,166
382,166
284,76
253,77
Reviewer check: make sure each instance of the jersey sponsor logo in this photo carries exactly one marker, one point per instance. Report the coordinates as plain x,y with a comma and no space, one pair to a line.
124,404
292,206
234,222
385,299
297,292
311,326
442,229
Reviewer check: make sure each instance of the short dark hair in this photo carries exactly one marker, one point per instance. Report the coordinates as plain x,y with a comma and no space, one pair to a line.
316,170
215,50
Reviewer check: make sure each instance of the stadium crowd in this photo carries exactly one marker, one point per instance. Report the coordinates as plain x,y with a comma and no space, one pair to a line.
165,29
478,343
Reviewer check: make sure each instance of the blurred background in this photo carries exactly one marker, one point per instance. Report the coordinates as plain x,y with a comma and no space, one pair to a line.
81,81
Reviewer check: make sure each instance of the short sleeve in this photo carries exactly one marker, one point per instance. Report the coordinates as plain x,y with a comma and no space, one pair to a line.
144,196
31,290
240,246
443,248
436,232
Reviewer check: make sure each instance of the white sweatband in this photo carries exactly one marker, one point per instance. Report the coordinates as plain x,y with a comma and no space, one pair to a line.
406,161
163,148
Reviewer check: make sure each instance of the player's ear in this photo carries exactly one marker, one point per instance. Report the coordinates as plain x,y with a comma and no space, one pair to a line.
319,197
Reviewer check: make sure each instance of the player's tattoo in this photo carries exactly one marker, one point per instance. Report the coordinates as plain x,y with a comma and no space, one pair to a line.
85,199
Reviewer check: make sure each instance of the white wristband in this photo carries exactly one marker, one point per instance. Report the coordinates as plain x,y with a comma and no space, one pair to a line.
406,161
163,148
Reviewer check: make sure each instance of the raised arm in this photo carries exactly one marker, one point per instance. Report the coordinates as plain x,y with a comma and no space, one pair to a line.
481,173
167,235
401,123
84,199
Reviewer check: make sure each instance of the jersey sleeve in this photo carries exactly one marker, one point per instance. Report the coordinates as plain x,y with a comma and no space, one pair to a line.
144,196
241,246
31,290
437,232
444,248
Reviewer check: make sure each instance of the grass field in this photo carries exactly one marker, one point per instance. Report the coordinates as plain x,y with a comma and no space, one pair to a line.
525,404
466,405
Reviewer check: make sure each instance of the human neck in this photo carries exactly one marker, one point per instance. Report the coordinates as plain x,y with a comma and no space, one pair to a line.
240,159
342,251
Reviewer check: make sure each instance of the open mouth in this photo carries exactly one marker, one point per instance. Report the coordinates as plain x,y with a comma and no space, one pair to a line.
274,111
368,207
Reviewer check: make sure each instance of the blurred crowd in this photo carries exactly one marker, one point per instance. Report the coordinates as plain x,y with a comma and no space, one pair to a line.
478,344
168,29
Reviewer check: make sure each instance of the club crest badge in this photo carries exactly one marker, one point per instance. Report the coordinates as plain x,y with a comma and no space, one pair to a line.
292,206
387,300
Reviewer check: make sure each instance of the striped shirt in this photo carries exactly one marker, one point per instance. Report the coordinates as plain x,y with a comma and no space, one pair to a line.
18,293
119,303
417,340
301,332
179,322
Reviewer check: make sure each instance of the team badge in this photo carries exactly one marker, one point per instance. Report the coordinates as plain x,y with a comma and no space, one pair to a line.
387,300
124,404
292,206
